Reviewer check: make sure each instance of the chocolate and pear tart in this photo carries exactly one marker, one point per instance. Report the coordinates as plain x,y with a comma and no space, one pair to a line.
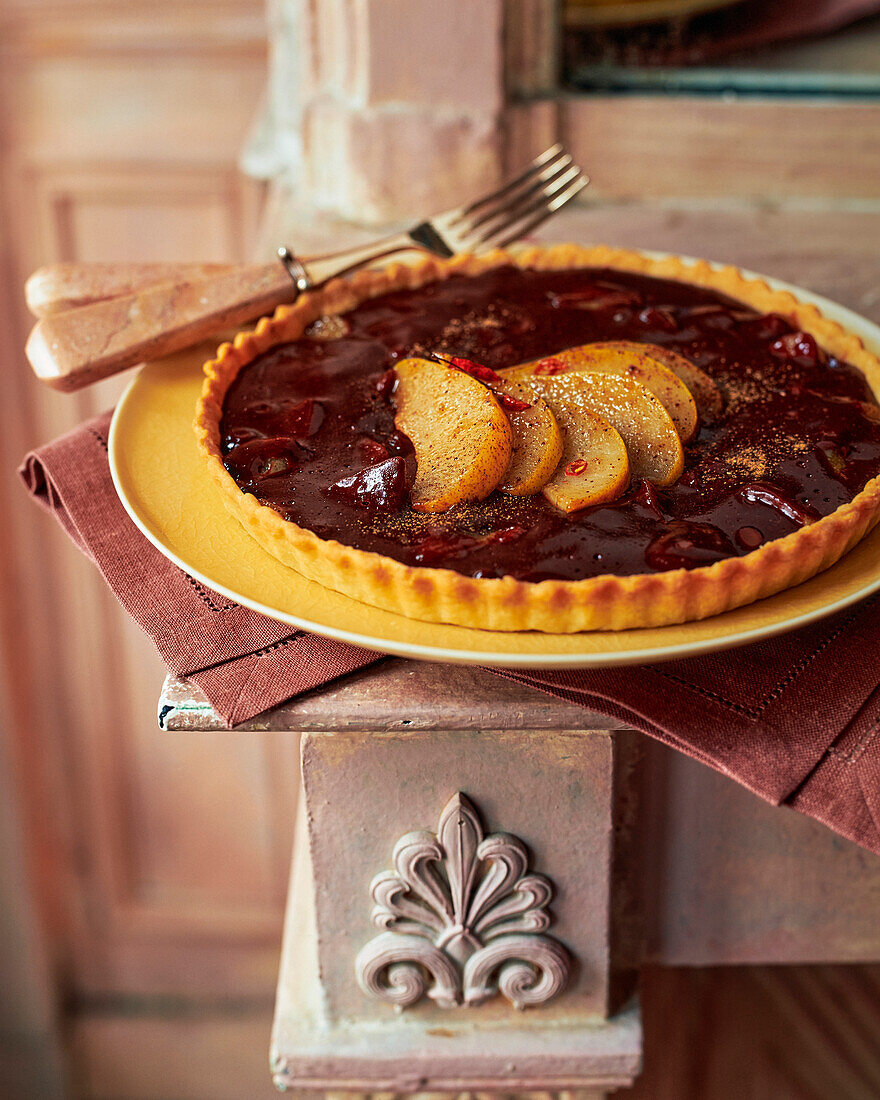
559,439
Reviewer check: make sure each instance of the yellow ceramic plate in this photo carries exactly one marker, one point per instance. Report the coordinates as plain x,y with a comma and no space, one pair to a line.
166,490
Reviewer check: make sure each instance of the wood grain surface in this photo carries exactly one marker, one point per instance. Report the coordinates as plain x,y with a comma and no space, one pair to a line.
728,1033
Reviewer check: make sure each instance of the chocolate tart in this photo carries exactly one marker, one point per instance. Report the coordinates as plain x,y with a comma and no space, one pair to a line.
777,485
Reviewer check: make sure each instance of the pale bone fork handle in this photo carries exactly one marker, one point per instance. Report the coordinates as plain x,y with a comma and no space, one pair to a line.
72,349
59,287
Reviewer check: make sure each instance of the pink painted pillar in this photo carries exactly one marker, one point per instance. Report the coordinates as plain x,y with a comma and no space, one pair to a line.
385,110
452,915
454,903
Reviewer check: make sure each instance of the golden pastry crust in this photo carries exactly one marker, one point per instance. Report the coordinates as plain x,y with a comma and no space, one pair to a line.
553,606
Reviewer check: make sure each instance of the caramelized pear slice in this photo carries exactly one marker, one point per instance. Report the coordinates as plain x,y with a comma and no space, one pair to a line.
631,360
537,440
652,442
704,390
462,438
594,468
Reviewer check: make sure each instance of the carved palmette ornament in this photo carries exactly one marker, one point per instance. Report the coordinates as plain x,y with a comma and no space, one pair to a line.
461,920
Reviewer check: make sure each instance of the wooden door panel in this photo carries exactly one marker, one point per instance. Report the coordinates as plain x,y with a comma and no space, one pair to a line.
145,217
766,1033
162,861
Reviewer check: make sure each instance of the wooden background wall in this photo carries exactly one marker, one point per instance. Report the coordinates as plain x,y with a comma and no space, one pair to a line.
156,868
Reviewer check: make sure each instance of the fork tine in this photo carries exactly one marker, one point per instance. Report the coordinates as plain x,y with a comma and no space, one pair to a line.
544,179
537,164
535,200
517,211
526,225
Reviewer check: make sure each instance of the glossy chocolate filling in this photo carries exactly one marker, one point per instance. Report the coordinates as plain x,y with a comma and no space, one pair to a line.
308,428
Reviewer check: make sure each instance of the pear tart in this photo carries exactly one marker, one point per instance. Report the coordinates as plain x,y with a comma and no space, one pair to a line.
562,439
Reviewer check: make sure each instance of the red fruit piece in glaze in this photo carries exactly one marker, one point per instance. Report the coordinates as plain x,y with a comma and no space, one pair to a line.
657,318
646,496
595,298
253,462
768,327
380,488
372,450
749,538
759,493
235,437
386,383
399,444
434,546
508,534
688,546
799,347
305,418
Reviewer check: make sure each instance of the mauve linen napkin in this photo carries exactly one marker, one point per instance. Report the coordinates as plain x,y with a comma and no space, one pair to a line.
795,719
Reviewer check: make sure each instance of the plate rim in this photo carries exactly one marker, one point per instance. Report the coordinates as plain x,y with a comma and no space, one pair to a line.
602,659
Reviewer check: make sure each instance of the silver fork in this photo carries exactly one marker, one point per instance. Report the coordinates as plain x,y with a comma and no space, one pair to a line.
493,221
71,349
